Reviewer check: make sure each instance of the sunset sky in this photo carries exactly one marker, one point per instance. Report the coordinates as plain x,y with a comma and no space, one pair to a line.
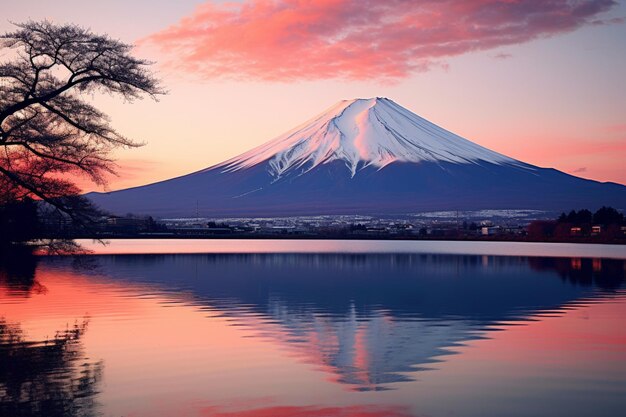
540,81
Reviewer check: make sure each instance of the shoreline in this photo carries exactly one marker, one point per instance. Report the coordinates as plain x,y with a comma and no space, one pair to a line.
504,238
345,246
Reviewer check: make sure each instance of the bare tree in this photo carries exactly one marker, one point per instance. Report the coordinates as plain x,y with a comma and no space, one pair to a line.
49,133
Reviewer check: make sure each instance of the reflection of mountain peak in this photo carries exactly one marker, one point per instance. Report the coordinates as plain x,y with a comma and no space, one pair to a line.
367,320
366,353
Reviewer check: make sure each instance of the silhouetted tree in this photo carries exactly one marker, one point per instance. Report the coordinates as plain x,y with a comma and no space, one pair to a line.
583,216
608,215
19,221
358,226
48,132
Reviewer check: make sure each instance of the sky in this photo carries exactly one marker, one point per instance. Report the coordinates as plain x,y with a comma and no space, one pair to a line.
539,81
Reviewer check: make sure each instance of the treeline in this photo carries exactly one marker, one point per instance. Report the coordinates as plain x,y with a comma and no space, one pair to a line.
26,221
606,225
604,217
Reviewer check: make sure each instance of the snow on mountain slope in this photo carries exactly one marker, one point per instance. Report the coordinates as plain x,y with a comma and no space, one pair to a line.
360,133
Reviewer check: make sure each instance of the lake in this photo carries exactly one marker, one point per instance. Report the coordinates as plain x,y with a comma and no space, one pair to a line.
226,328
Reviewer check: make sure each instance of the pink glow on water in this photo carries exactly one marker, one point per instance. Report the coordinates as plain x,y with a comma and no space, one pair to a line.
167,246
166,353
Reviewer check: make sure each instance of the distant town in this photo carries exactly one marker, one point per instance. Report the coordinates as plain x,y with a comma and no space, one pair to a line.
531,225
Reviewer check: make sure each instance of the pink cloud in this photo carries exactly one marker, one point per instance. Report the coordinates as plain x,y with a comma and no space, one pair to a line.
503,55
289,40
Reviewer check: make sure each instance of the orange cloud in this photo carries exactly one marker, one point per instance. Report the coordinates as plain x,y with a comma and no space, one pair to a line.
288,40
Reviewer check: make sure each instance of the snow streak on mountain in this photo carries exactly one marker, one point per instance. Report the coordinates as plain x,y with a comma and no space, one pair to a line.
361,133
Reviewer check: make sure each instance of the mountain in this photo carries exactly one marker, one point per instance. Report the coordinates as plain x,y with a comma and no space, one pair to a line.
363,156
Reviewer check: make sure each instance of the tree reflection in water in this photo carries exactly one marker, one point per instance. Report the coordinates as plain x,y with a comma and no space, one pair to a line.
606,274
46,378
17,272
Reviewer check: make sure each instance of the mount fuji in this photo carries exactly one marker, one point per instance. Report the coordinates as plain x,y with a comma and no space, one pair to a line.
363,156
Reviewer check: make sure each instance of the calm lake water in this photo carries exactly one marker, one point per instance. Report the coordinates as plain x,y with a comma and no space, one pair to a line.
315,328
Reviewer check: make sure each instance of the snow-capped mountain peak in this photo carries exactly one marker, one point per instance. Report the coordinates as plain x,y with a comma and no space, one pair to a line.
363,132
364,156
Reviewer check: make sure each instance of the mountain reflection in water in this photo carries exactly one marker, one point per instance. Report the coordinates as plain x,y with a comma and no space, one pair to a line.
368,322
